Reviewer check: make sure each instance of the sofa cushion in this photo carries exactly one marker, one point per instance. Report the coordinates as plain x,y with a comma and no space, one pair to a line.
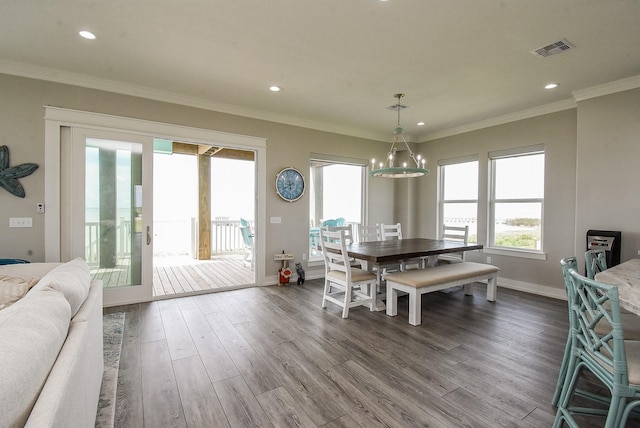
72,279
12,288
32,332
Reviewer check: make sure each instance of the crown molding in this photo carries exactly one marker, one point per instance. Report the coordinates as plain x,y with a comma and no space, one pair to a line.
501,120
75,79
607,88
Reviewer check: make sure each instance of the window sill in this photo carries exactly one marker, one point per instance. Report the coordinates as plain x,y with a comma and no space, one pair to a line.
534,255
315,262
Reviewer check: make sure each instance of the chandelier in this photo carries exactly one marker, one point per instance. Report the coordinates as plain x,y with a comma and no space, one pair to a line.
387,169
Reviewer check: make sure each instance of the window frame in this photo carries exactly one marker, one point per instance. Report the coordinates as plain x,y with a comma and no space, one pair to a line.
314,260
492,201
441,189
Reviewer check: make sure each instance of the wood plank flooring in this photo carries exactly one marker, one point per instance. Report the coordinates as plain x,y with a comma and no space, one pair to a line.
181,275
270,356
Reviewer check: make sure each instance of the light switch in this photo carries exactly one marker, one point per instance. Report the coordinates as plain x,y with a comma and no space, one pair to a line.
276,220
20,222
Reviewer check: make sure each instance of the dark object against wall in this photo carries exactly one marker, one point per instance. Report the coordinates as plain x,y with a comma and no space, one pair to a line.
9,175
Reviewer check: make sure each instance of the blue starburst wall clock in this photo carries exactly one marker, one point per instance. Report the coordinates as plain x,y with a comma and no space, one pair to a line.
9,175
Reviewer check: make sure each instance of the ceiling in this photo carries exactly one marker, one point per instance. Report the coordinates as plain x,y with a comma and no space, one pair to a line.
339,62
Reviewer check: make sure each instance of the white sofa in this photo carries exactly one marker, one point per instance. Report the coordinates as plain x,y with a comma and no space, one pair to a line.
51,358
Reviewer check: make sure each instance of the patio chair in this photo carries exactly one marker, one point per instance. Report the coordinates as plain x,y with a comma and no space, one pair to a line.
247,238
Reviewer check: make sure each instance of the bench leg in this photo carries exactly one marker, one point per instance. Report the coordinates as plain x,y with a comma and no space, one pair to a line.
392,301
492,288
415,309
468,290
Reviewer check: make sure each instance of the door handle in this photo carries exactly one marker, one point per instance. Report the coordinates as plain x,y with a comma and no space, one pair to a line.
148,235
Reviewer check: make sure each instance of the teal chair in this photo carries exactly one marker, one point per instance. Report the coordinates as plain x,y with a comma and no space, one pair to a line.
598,345
247,239
566,263
596,262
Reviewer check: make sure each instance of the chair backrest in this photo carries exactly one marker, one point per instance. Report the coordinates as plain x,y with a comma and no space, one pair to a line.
455,233
596,262
390,231
598,328
334,250
348,231
247,236
368,233
568,263
340,221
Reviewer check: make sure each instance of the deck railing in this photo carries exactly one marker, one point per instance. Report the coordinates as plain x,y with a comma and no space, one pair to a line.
169,236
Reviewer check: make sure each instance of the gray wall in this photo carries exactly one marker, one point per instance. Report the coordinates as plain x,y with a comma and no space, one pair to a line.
579,194
22,129
608,168
557,132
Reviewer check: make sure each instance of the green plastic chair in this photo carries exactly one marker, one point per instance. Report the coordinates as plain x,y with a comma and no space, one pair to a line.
598,345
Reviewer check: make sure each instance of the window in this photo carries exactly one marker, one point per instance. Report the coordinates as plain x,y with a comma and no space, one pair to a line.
517,199
336,186
459,194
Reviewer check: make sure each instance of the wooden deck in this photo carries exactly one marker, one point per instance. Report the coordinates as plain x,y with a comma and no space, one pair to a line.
182,275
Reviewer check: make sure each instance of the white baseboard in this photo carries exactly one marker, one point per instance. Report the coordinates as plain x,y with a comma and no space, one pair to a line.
528,287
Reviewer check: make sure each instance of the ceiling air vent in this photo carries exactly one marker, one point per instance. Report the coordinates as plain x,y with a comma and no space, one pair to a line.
552,49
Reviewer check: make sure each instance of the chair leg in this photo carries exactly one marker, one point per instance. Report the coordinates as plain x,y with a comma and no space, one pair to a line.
563,373
347,301
327,290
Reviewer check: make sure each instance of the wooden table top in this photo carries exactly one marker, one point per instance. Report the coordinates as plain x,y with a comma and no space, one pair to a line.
394,250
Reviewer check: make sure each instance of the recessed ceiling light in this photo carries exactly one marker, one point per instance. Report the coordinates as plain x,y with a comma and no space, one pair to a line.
275,88
87,35
551,86
420,123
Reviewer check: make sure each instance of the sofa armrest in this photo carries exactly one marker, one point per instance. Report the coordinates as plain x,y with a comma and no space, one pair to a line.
71,393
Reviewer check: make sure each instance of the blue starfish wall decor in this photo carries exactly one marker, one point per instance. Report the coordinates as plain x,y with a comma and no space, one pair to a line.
9,175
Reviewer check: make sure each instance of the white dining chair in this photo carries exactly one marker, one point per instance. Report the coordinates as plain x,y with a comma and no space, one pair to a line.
344,285
394,232
454,233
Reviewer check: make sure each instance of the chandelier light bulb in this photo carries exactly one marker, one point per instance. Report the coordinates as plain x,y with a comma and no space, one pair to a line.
387,169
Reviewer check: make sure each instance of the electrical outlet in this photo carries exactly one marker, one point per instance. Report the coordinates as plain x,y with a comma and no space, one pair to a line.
488,259
304,256
40,208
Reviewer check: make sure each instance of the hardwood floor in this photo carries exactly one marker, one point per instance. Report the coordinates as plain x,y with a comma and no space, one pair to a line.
270,356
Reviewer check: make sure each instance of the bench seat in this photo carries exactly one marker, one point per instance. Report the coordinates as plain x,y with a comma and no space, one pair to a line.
417,282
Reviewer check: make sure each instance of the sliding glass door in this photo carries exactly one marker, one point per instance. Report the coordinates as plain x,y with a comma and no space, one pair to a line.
112,210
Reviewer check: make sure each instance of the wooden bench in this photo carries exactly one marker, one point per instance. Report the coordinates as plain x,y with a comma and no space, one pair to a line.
417,282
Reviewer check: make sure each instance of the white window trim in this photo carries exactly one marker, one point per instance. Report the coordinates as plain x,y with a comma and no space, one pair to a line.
507,251
322,157
57,118
440,181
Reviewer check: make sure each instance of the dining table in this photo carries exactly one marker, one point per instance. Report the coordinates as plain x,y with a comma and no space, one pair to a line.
626,276
378,253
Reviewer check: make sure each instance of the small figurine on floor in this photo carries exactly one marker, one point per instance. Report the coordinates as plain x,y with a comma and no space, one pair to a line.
300,273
